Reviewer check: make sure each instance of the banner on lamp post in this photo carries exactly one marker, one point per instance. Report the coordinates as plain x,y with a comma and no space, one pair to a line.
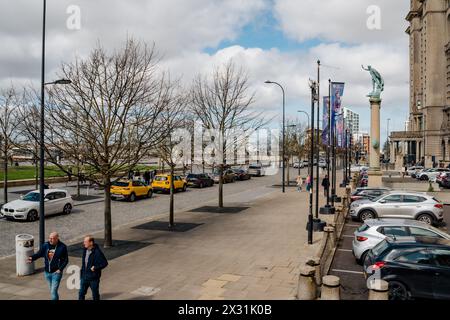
337,91
325,122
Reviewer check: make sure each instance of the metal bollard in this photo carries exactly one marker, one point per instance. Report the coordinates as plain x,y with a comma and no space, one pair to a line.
315,262
307,288
24,249
378,289
331,288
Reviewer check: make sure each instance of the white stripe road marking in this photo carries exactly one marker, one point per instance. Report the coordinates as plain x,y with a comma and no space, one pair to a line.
353,225
347,236
347,271
345,250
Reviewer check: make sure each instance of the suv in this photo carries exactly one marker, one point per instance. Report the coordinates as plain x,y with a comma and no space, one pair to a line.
401,205
199,180
431,174
414,267
256,170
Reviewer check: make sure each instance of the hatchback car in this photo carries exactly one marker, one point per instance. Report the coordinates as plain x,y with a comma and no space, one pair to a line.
228,176
199,180
400,205
431,174
413,170
414,267
27,207
130,190
242,174
256,170
161,183
373,232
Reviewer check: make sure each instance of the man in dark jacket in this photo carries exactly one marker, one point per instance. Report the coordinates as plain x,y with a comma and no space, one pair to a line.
56,259
325,185
93,263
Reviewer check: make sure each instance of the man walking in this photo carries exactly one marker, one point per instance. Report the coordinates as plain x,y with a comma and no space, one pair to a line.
56,259
93,263
325,185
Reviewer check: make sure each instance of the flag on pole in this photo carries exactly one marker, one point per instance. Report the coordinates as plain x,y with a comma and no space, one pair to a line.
337,91
325,124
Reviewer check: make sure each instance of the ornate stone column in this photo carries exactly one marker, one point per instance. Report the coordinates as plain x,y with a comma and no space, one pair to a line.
375,174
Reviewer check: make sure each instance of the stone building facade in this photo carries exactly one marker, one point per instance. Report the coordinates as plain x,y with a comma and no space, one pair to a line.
428,135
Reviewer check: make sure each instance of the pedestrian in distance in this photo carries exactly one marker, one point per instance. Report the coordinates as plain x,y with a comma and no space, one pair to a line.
325,185
308,184
56,259
93,262
147,177
299,183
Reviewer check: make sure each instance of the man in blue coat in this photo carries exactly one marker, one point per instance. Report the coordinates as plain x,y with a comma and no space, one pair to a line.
93,262
56,259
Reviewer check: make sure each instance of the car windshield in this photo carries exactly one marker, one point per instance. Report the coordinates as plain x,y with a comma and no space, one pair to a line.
160,178
32,196
120,184
192,176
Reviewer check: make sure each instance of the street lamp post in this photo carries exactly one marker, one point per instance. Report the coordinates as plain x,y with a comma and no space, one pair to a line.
318,141
313,86
284,128
42,128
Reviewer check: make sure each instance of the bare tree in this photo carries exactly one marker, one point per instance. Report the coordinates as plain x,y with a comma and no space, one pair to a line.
9,123
114,106
294,141
223,104
169,149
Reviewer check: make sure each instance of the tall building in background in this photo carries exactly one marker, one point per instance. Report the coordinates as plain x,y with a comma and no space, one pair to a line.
351,120
427,136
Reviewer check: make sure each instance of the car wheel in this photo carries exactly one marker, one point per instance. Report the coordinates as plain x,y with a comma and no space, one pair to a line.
132,197
398,291
149,194
201,185
362,258
32,216
366,215
184,188
424,178
426,218
67,209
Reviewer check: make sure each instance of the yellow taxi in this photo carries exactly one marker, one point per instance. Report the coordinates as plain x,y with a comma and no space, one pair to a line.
130,190
161,183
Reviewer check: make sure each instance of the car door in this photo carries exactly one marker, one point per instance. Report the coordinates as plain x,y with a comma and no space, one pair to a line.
394,231
410,205
441,281
178,182
139,188
50,203
389,206
415,268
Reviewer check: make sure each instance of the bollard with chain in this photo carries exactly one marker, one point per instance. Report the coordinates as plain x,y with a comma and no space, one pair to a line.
315,262
331,288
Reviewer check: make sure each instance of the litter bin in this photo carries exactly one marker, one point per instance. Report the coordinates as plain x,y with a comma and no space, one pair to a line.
24,249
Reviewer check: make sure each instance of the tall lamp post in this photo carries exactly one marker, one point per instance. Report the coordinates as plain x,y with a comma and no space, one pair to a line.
284,128
42,128
318,140
313,86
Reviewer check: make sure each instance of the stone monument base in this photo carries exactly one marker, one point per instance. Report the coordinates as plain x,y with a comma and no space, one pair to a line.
375,179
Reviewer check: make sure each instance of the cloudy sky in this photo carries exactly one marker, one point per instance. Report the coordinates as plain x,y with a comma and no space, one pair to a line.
280,40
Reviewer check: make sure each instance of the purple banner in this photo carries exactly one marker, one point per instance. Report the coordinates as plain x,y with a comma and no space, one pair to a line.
325,126
337,91
340,130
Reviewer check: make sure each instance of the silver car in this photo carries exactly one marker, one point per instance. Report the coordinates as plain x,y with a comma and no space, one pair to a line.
372,232
399,205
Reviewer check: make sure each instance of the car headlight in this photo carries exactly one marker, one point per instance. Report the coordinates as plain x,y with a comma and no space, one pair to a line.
21,210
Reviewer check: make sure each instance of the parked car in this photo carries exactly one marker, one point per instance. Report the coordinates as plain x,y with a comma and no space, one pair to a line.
228,176
242,174
322,164
367,193
431,174
199,180
358,168
130,190
413,170
399,204
445,180
161,183
373,232
256,170
27,207
414,267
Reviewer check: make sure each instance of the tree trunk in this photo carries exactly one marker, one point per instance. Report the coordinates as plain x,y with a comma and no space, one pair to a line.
221,187
172,196
36,167
5,179
287,173
108,221
78,181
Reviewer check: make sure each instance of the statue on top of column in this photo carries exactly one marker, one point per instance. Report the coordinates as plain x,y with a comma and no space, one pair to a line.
377,81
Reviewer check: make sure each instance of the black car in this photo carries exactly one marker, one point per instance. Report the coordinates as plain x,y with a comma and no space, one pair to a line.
199,180
367,193
242,174
414,267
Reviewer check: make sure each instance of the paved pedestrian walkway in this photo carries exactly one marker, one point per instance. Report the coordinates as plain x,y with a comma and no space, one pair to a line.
251,252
